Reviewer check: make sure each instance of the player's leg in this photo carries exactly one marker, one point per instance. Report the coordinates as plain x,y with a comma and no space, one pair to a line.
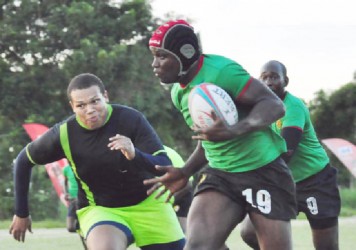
80,233
71,220
154,224
319,198
183,223
272,234
176,245
249,236
182,208
105,236
84,243
182,204
270,193
104,228
325,233
211,219
218,206
248,233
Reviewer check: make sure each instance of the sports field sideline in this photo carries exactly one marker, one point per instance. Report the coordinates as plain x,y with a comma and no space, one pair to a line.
60,239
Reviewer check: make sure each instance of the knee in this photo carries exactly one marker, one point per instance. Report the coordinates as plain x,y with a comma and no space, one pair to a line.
325,240
326,246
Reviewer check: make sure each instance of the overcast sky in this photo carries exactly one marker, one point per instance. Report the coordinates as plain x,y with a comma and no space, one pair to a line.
315,39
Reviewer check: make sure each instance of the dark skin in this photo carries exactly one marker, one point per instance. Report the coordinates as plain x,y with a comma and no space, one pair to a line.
206,228
274,77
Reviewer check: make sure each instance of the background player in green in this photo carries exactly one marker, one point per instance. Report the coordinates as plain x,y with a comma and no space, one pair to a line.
246,173
112,149
317,190
71,193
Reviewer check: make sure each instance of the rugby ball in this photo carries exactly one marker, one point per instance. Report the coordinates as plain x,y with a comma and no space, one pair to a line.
207,97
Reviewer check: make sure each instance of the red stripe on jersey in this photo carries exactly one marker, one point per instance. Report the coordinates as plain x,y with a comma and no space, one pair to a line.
245,88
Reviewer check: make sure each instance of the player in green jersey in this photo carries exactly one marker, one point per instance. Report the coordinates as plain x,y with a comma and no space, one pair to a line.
317,191
245,173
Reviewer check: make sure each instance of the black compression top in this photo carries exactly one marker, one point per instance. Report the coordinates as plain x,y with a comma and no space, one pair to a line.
105,177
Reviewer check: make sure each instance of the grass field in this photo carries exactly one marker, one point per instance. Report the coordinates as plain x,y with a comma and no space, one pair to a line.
60,239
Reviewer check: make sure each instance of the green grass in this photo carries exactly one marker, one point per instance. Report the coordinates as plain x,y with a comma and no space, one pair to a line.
51,234
348,197
59,239
5,224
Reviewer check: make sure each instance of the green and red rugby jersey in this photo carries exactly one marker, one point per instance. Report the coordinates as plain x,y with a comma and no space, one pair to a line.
245,152
309,157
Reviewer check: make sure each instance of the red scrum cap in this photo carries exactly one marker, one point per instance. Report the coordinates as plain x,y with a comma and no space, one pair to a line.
178,38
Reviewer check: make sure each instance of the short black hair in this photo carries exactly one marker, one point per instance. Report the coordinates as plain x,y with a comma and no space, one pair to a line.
84,81
284,68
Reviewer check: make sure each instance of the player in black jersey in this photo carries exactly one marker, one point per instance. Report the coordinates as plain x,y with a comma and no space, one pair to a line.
111,149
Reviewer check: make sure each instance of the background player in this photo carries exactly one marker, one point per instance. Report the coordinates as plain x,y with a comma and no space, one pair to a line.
317,191
71,192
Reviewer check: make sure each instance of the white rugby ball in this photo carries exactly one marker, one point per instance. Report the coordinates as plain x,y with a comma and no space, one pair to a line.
207,97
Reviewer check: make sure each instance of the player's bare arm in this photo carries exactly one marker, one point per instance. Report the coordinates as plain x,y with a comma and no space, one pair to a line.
262,99
195,162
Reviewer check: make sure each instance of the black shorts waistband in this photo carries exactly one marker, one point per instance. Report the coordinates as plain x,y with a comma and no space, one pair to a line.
319,174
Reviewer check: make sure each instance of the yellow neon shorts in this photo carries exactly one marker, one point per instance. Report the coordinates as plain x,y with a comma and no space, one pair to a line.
152,221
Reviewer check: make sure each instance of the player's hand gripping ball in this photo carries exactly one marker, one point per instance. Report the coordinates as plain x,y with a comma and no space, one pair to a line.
205,98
